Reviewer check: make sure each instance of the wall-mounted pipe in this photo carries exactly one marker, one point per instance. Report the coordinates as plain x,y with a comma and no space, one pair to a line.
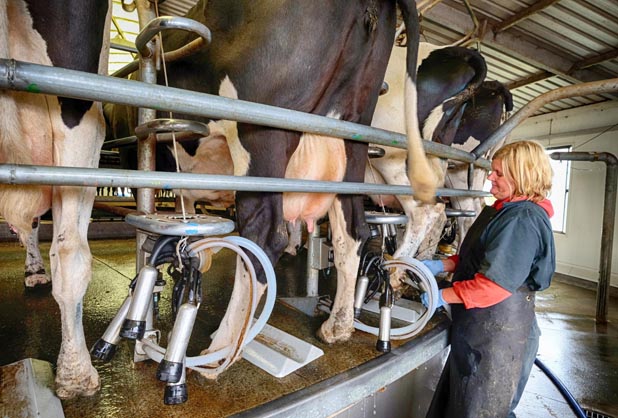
584,89
70,83
609,214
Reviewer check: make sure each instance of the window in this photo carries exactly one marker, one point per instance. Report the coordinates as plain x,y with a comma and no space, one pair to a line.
560,189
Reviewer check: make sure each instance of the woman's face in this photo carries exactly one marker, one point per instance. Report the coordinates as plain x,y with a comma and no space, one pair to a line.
501,187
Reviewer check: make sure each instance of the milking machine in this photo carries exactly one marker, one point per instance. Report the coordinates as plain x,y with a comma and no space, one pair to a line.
186,251
374,277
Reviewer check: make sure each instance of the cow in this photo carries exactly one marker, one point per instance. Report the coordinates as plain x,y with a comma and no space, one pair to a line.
471,117
481,117
47,130
447,78
211,154
321,57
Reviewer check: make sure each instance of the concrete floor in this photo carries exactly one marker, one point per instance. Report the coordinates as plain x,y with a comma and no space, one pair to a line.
580,353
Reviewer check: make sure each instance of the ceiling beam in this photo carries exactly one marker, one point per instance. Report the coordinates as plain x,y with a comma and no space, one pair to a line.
542,75
597,59
523,14
513,43
529,80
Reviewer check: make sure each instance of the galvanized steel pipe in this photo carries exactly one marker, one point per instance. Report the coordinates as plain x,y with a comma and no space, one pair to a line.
159,24
584,89
609,214
146,147
105,177
69,83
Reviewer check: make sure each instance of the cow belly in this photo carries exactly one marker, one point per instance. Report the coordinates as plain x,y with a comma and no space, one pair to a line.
316,158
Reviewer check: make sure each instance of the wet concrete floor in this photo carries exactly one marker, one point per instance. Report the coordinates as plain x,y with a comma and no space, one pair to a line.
582,354
577,350
30,327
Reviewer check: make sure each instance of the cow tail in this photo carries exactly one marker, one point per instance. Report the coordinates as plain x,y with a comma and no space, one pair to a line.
422,177
477,63
18,204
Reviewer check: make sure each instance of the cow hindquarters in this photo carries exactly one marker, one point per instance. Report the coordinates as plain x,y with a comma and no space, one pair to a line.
24,135
340,324
70,258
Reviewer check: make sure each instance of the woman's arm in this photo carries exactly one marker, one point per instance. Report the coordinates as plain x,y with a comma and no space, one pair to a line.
480,292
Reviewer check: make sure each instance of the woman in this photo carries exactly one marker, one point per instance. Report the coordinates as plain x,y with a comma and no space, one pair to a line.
507,255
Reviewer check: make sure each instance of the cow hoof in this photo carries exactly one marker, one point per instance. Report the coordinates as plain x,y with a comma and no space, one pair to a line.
333,334
37,281
85,386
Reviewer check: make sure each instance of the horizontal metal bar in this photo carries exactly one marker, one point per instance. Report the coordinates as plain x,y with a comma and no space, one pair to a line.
76,84
460,213
124,48
105,177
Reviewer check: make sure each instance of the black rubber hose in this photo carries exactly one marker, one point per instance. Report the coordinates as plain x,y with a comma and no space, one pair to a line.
161,243
575,406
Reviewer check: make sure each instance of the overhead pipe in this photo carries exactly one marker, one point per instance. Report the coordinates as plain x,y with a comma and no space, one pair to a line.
584,89
609,214
36,78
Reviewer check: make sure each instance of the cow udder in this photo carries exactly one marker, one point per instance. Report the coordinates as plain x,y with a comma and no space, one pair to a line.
320,158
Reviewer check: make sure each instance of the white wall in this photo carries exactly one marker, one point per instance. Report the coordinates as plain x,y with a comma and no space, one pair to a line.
588,129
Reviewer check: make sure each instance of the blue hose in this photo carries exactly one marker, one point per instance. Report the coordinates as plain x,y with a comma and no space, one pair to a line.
577,409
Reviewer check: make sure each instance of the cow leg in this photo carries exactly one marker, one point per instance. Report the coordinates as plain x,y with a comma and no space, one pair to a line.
421,220
430,244
392,169
295,235
340,324
71,269
457,178
35,275
70,256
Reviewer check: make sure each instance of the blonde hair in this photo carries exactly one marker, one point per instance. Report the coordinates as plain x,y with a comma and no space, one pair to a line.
527,165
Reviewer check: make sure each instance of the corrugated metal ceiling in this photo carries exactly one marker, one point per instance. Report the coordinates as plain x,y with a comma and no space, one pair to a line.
533,46
536,46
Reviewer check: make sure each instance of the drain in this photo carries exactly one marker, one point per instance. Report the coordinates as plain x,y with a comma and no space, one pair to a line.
595,414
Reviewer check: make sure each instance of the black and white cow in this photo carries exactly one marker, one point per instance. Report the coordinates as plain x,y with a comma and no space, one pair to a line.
482,116
46,130
322,57
447,78
468,120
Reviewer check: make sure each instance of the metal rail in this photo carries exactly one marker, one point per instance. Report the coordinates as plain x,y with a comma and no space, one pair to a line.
80,85
105,177
584,89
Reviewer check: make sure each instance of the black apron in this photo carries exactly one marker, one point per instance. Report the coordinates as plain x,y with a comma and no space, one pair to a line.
488,345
